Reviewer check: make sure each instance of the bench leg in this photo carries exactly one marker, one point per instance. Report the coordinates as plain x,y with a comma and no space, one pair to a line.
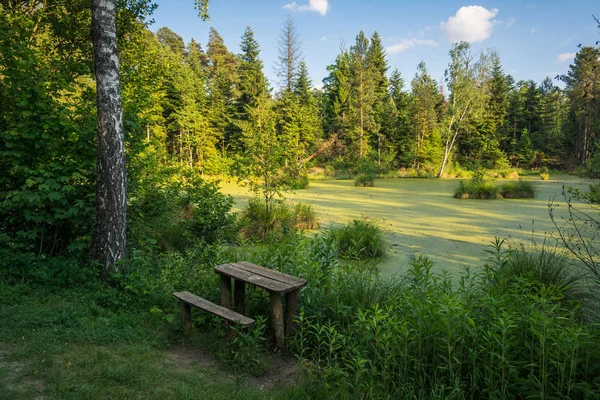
186,318
231,334
291,311
239,295
277,317
226,291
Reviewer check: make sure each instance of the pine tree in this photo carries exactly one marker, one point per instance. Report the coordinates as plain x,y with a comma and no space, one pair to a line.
583,88
337,93
222,78
423,149
402,101
308,113
362,89
290,54
172,40
498,101
252,81
552,112
384,118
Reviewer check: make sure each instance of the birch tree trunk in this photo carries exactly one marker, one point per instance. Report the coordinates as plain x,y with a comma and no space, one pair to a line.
111,191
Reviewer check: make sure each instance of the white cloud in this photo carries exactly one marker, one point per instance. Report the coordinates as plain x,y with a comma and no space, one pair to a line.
564,57
408,43
471,23
320,6
323,37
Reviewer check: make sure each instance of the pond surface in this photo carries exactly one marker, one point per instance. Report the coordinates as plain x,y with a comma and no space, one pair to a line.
420,216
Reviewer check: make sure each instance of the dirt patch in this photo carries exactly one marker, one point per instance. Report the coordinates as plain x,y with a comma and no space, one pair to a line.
15,381
282,370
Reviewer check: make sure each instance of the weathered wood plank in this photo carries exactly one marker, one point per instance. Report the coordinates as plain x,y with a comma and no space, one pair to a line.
268,284
212,308
265,278
269,273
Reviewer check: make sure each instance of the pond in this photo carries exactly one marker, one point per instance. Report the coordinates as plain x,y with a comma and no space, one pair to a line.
420,216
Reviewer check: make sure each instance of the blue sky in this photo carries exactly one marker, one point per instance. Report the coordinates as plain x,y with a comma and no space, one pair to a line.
535,39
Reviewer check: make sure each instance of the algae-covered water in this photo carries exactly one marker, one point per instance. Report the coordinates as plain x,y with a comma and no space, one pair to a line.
420,216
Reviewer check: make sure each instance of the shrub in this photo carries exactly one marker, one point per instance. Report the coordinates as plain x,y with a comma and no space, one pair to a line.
594,194
358,239
479,188
424,337
458,172
258,223
508,173
281,220
343,175
300,183
545,176
174,209
365,180
305,217
517,190
476,189
544,265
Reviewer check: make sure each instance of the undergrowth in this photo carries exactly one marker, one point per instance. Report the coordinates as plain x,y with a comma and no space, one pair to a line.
480,188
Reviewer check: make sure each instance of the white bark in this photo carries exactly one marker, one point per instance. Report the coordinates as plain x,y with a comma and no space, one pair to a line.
111,192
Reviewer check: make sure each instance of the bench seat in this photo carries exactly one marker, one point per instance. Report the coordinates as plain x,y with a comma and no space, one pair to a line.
222,312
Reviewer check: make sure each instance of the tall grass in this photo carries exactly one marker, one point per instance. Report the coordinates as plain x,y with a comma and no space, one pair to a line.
542,265
476,189
479,188
517,190
365,180
305,217
358,239
422,337
260,224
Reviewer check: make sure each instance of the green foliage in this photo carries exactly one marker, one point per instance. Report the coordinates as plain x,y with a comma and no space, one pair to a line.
300,183
545,176
542,265
245,352
305,217
365,180
423,337
517,190
259,224
173,209
594,194
477,189
358,239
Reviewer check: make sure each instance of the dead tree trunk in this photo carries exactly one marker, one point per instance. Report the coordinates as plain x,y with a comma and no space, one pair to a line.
111,191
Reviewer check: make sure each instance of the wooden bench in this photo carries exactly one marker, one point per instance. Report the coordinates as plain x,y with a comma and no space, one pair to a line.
189,300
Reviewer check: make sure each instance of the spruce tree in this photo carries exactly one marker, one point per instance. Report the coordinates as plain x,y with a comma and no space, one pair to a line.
252,81
362,88
289,49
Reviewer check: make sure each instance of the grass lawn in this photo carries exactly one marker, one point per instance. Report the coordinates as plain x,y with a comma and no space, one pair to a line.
421,217
87,344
